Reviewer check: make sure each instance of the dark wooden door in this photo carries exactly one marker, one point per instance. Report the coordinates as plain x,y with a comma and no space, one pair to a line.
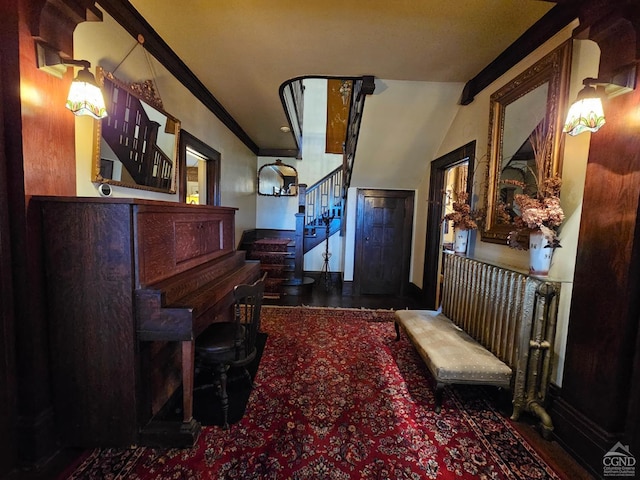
384,221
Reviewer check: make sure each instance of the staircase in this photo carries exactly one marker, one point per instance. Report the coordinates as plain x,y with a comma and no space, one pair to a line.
275,249
322,204
281,252
321,207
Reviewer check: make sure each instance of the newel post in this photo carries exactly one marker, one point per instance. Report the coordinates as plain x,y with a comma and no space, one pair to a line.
300,217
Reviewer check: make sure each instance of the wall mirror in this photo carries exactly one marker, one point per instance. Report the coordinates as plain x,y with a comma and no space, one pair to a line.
136,145
535,97
278,180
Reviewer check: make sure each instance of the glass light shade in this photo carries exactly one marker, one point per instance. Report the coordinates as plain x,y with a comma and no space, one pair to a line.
85,97
586,114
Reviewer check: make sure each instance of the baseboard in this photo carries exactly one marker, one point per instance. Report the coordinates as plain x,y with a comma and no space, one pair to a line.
586,441
415,291
347,288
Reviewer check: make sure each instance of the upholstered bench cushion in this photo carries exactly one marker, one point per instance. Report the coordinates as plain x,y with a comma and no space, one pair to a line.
451,355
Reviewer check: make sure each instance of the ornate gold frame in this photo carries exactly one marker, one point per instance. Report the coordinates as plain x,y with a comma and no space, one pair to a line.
555,69
146,94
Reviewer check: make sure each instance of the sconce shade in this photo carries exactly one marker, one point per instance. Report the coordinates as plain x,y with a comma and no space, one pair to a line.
85,97
586,114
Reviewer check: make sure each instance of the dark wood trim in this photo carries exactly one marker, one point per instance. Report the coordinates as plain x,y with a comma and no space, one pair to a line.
213,167
8,396
128,17
347,287
46,19
581,437
433,245
278,152
541,31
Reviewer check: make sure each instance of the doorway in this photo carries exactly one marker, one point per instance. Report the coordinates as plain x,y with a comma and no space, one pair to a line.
199,171
438,197
384,222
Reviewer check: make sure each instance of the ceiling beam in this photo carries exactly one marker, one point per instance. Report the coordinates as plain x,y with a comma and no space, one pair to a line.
551,23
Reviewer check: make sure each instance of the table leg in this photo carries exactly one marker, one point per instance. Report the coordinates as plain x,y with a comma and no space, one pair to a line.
188,361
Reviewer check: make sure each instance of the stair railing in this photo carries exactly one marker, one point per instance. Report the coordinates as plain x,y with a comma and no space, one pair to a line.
292,97
361,88
324,198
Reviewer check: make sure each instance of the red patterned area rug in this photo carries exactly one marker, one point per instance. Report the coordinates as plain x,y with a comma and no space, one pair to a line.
337,397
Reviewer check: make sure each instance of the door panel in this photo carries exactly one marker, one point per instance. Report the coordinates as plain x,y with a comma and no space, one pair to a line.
383,241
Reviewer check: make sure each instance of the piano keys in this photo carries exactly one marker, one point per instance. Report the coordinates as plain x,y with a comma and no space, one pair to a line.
130,285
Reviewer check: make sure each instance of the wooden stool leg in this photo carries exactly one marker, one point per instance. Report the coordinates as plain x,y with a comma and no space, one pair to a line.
224,398
438,397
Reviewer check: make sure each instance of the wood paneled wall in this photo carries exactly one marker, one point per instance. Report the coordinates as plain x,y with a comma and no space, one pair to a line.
595,411
39,158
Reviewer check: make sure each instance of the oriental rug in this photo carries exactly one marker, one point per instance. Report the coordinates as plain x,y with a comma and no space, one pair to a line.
336,397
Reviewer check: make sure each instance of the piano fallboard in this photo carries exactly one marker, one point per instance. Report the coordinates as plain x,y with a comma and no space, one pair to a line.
207,293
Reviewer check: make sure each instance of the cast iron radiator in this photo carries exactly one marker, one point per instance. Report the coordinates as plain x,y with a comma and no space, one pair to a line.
512,315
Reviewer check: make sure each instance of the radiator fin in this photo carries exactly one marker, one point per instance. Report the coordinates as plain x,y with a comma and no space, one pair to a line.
485,301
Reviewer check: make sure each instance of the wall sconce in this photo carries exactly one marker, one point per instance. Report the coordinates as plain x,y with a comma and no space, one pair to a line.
85,96
586,114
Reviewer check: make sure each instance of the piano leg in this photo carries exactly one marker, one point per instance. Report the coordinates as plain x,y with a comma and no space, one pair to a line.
188,361
176,433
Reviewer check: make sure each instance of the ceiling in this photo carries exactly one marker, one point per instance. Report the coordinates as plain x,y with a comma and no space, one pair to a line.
243,50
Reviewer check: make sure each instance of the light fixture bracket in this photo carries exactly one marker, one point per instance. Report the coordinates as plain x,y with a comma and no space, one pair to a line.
50,61
622,81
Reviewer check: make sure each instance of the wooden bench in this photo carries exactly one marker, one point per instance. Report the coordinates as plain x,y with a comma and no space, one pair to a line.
496,327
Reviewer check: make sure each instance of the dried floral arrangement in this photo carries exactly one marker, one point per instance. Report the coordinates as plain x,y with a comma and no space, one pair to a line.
543,211
463,217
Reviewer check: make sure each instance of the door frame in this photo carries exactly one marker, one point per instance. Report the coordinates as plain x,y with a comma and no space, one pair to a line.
407,228
433,244
213,167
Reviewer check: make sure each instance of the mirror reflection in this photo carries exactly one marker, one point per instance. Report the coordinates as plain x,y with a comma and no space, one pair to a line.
278,180
137,143
530,102
196,167
521,118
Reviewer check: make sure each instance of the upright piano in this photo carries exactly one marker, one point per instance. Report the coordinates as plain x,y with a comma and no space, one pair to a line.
130,285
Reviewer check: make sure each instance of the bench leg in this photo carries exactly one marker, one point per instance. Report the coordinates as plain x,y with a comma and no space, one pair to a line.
438,397
395,324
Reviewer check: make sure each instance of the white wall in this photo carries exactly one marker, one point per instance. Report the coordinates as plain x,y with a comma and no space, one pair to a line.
106,44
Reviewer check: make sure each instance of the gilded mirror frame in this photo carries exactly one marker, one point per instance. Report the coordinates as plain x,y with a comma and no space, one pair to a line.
554,68
277,187
157,174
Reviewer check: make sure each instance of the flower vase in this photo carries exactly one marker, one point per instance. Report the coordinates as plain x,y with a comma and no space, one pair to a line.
540,254
460,241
